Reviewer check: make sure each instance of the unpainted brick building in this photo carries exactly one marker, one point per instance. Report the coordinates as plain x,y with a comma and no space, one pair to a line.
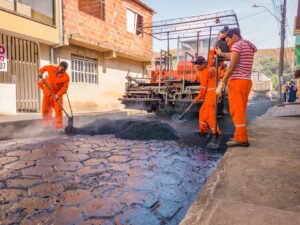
102,40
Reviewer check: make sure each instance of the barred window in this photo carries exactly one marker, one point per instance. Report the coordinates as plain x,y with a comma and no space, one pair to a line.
84,70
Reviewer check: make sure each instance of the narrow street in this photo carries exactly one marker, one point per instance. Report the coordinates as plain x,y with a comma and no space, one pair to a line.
102,179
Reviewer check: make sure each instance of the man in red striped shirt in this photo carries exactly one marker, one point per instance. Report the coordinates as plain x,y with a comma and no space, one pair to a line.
238,76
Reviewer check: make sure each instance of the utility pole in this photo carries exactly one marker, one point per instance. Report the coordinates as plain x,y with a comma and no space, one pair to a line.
281,59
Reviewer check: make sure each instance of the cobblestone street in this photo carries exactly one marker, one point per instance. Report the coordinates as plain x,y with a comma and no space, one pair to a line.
99,180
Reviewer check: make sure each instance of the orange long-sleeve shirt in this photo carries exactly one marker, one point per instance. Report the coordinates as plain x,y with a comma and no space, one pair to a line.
58,83
207,84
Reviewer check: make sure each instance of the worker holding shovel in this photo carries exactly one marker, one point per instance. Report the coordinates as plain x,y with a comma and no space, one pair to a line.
54,87
207,118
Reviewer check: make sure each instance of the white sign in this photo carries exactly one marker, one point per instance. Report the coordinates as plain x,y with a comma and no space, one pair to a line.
3,58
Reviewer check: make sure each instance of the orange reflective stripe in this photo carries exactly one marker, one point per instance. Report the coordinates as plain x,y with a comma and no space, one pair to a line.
240,125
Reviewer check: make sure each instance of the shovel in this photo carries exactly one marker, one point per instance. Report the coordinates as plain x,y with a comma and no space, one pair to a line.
69,128
215,142
178,118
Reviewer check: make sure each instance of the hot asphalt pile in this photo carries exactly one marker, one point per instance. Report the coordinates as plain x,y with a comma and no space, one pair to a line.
127,129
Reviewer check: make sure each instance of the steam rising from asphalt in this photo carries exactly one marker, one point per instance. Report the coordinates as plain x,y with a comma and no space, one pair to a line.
24,129
127,129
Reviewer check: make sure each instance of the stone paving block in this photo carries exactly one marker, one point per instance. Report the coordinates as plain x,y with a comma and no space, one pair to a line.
167,179
75,197
68,166
46,190
137,217
118,159
97,222
34,156
58,176
94,162
8,174
33,205
140,184
66,216
83,150
119,166
36,171
10,195
168,209
5,160
37,220
49,161
23,183
58,154
91,170
21,164
75,157
101,207
130,198
172,193
86,145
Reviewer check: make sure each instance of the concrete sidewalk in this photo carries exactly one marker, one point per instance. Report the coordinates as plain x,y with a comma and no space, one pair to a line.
259,185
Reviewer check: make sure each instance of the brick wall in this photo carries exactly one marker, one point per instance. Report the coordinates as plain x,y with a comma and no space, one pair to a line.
82,18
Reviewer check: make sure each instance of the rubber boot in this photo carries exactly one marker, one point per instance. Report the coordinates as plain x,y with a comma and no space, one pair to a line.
214,143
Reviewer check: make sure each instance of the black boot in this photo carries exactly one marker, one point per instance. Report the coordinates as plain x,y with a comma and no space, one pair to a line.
214,143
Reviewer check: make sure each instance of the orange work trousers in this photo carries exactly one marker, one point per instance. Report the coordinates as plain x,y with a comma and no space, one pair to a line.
238,93
47,107
207,116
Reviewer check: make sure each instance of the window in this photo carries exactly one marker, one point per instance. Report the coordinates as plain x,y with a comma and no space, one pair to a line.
39,10
84,70
134,22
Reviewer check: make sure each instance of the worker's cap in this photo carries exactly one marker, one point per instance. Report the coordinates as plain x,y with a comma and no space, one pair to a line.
224,30
233,31
64,64
200,60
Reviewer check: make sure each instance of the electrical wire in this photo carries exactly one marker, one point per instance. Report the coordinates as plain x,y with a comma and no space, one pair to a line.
251,15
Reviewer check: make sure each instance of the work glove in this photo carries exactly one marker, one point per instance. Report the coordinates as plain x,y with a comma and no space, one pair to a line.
220,89
195,101
218,51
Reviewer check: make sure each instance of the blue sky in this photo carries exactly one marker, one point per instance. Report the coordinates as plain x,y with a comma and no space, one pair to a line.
261,29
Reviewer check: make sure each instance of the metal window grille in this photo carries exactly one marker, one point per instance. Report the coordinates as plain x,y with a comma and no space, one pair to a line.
84,70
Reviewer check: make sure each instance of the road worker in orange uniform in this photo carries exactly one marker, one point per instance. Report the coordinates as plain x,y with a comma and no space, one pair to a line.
238,76
208,93
58,80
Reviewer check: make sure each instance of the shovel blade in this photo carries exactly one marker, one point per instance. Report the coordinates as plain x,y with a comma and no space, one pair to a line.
69,129
177,118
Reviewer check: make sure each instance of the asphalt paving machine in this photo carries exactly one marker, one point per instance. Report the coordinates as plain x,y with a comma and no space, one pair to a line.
173,82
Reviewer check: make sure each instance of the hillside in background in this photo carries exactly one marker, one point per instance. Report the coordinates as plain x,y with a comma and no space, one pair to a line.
274,53
267,61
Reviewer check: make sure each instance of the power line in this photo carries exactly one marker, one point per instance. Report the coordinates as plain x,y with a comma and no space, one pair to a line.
259,24
251,15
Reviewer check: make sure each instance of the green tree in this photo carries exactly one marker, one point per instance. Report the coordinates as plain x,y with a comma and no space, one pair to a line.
270,67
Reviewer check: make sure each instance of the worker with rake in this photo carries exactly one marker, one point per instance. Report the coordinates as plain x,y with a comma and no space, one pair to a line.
207,113
54,87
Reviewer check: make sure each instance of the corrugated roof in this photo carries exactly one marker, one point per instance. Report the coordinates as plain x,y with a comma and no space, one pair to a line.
144,5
